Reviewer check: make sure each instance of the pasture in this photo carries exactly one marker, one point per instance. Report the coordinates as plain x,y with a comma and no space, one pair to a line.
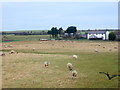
9,38
25,69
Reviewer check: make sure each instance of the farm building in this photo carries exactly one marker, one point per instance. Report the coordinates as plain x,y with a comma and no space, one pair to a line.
97,35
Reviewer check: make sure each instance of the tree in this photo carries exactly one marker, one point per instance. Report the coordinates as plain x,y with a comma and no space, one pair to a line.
54,32
71,29
112,36
60,31
49,32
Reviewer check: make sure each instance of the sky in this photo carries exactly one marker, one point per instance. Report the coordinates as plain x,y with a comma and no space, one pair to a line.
45,15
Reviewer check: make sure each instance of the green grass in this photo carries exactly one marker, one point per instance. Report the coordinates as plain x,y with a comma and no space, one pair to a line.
35,75
25,31
88,67
26,37
26,69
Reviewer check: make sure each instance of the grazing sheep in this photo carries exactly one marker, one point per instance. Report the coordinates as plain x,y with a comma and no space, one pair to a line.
5,46
40,42
69,66
75,56
33,49
74,74
12,51
10,46
96,50
46,63
2,54
103,47
98,44
115,47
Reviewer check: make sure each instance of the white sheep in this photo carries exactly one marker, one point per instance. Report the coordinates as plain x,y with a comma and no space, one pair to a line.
5,46
69,66
2,54
10,46
33,49
46,63
98,44
74,74
40,42
12,51
96,50
75,56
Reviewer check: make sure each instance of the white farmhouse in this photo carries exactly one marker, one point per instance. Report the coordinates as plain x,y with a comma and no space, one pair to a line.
103,35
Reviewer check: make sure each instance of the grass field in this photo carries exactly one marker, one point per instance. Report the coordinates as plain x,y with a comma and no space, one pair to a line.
26,69
25,37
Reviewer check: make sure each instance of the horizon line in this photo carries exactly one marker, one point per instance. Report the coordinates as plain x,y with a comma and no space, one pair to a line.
63,29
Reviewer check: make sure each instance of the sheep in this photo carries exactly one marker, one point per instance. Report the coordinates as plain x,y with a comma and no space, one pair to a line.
74,74
69,66
33,49
75,56
2,54
40,42
10,46
5,46
46,63
96,50
103,47
115,47
12,51
98,44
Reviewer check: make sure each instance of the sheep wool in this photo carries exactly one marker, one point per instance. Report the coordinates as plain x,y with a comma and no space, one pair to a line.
12,51
75,56
69,66
74,73
46,63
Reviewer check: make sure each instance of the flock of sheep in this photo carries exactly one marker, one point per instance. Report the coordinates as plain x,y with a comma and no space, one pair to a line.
96,50
69,66
46,63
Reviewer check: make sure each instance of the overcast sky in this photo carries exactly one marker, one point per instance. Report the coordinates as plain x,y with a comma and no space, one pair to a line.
45,15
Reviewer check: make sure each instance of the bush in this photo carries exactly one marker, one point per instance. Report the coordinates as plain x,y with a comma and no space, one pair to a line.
112,36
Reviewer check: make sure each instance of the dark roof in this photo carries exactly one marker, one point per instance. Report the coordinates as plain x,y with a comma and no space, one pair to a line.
96,32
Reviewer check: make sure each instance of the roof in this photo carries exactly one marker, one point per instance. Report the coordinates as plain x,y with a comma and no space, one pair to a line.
96,32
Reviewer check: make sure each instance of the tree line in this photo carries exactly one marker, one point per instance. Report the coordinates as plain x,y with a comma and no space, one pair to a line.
55,33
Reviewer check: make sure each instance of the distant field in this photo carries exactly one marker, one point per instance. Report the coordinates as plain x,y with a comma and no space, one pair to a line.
26,69
25,31
25,37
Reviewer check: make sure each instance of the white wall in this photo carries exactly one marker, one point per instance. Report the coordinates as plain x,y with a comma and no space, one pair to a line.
107,34
97,35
